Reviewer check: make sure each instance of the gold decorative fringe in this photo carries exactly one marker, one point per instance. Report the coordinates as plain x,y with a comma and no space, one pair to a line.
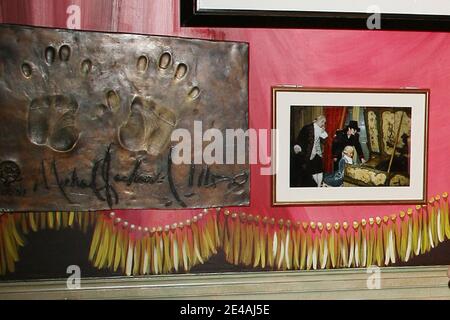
117,245
284,245
10,242
247,240
35,221
14,226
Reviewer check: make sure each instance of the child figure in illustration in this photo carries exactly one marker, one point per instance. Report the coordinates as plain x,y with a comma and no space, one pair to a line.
336,179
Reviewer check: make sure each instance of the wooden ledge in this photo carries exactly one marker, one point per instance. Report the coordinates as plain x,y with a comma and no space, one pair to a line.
396,283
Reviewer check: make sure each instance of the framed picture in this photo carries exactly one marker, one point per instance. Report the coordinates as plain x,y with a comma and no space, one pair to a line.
347,146
338,14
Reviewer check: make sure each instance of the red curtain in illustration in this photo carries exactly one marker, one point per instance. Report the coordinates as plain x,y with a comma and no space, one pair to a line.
335,120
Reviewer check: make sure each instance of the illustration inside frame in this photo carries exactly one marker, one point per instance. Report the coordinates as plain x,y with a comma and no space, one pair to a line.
372,142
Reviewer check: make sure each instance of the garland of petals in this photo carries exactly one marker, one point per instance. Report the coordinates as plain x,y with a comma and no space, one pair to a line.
134,250
256,241
246,240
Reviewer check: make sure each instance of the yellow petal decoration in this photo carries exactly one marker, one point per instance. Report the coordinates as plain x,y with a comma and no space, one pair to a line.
247,240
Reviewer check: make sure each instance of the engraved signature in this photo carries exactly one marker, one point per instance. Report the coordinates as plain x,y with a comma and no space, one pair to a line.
102,180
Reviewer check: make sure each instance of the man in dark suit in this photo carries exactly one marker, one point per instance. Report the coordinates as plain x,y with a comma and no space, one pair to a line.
348,136
307,154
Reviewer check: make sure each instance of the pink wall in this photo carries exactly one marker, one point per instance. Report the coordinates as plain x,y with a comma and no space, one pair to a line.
306,57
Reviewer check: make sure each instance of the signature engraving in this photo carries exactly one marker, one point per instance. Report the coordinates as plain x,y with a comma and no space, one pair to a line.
139,178
173,189
104,191
102,182
208,179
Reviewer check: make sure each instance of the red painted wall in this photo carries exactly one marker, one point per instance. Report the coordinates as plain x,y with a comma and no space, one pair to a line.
331,58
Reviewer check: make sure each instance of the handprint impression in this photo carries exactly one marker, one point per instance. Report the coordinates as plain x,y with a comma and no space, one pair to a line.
148,127
51,122
52,118
150,124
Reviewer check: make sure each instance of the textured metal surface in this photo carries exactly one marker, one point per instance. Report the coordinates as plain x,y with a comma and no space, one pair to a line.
86,119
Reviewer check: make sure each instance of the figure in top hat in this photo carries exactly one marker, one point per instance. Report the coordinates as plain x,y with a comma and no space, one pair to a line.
348,136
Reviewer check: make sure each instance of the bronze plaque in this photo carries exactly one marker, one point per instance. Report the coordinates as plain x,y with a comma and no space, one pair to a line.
86,119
